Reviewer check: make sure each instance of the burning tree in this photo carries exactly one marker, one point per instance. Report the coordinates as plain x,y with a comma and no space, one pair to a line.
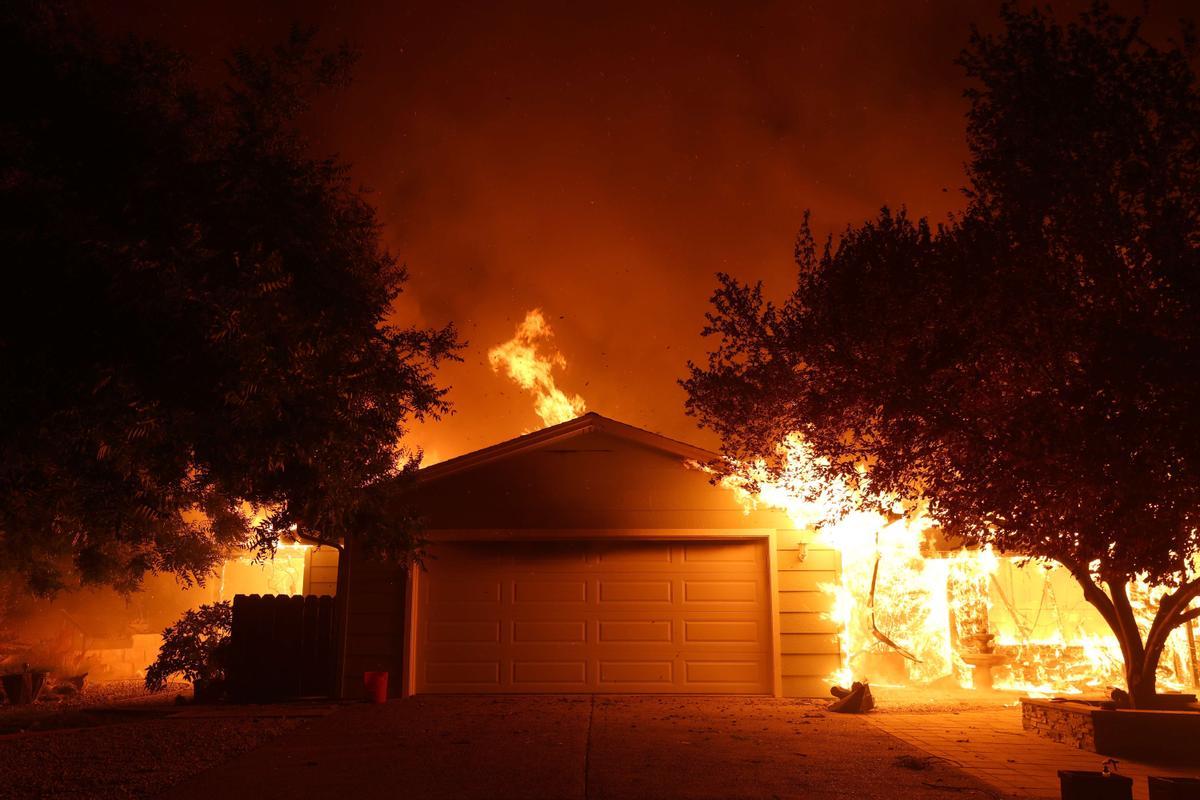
197,316
1030,367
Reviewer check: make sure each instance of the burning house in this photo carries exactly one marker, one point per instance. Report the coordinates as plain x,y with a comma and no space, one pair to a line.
594,556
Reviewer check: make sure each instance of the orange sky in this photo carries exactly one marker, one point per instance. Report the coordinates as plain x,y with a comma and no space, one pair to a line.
602,162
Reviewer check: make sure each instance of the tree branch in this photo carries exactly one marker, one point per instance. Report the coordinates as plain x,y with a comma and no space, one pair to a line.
1128,634
1172,612
1095,595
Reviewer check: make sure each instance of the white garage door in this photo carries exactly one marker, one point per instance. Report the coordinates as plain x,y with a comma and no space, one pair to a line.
595,617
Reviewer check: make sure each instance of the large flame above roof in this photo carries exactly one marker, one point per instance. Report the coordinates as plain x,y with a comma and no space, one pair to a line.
533,370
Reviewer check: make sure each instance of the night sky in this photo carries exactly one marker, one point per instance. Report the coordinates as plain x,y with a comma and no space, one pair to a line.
603,161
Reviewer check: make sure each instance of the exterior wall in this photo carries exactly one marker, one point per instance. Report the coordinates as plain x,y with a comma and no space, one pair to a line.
808,641
376,599
594,481
124,663
320,571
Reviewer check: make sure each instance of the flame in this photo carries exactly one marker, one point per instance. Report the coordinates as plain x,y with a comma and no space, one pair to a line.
909,609
534,372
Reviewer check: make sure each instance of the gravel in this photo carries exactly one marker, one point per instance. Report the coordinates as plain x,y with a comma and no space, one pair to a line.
136,759
116,740
97,704
926,700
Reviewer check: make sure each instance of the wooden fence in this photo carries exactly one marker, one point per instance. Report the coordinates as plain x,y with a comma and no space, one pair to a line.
282,646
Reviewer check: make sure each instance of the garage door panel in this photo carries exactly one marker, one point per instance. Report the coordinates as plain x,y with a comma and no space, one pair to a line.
543,591
571,675
622,631
475,631
720,591
559,631
640,592
724,672
466,591
712,631
619,675
727,552
631,557
636,617
462,674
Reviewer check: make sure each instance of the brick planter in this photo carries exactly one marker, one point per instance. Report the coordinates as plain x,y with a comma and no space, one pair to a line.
1155,736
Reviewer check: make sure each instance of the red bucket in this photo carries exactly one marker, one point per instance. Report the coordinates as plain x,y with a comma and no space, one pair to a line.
376,684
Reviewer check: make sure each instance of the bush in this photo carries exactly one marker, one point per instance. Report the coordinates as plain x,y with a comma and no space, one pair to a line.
194,647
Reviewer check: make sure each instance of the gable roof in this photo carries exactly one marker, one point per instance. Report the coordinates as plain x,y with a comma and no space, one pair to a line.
591,422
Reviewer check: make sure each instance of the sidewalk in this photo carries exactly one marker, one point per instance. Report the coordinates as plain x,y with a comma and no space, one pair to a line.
991,745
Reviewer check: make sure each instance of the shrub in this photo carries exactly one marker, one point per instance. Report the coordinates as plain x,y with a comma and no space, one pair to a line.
194,647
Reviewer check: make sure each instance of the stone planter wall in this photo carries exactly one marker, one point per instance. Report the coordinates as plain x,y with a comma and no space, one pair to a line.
1068,723
1155,736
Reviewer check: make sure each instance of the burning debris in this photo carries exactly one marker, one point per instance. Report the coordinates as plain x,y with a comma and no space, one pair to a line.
534,371
855,700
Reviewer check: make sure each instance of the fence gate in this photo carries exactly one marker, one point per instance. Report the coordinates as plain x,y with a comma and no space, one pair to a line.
281,646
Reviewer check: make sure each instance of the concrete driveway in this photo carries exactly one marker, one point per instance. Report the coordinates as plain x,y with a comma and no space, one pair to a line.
599,748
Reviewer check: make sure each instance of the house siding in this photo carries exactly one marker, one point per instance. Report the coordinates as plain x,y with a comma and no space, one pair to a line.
375,640
808,637
320,571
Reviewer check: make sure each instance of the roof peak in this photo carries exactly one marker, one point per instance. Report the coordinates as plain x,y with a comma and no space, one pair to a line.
584,423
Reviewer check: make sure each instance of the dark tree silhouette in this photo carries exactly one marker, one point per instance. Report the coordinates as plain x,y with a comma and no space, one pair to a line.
1033,366
196,313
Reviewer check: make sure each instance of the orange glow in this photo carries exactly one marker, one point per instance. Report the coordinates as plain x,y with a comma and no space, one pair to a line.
283,574
930,607
533,371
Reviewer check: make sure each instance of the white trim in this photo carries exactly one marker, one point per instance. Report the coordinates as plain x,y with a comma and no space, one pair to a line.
776,626
408,669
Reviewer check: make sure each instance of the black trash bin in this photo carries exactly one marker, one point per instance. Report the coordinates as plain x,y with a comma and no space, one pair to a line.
1167,788
1086,785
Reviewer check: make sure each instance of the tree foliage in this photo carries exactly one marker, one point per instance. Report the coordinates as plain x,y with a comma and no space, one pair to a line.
1031,366
197,312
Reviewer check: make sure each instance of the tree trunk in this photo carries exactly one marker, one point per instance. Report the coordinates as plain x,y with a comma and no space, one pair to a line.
1138,683
1141,656
1142,684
